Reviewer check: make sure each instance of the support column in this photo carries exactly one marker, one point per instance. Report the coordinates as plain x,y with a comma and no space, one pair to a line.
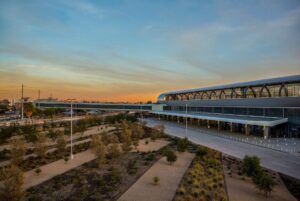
231,127
208,126
219,125
198,122
247,129
178,121
266,132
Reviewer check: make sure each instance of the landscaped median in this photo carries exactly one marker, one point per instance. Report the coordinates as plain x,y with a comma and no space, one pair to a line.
204,179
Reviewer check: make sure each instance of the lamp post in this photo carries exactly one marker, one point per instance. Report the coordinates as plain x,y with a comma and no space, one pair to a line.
71,153
186,135
71,129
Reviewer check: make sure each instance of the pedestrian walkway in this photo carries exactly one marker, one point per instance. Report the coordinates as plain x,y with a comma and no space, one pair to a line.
170,177
146,145
56,168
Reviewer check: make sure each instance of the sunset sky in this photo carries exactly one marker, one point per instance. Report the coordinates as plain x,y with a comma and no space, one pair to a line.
133,50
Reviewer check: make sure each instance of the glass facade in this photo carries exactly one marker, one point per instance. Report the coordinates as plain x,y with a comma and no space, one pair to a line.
263,91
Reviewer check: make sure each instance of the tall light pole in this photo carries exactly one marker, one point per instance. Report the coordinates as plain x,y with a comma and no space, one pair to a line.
186,135
22,102
71,154
71,111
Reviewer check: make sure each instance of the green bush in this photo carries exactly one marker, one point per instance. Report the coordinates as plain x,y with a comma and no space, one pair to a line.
201,152
171,156
182,144
264,182
251,165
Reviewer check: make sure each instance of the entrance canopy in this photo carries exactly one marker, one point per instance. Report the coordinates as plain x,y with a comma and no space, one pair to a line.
230,118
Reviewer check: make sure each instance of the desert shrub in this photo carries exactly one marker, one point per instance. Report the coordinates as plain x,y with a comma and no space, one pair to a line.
155,180
12,180
264,182
171,156
38,171
18,150
251,165
201,152
182,144
113,151
131,167
99,149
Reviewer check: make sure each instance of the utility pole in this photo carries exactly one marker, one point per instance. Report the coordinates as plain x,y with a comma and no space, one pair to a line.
22,102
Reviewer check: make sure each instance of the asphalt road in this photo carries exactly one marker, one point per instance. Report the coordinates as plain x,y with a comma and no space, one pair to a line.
287,163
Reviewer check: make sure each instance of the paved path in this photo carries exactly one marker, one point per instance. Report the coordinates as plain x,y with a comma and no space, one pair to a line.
152,145
286,163
53,169
170,177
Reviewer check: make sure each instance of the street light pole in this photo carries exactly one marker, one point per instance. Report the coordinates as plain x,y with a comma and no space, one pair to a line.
186,135
71,154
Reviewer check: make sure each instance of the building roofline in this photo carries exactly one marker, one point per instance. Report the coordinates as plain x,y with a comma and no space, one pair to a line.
270,81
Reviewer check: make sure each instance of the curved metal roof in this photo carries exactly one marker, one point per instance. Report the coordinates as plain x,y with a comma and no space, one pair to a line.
272,81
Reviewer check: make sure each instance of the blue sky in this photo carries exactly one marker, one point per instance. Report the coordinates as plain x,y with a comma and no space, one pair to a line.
133,50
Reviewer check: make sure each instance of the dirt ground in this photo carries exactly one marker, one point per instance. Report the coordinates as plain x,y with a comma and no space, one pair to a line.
60,167
170,177
90,182
56,168
241,188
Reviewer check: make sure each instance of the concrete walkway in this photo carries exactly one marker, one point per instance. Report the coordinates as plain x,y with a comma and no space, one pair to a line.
170,177
286,163
152,145
56,168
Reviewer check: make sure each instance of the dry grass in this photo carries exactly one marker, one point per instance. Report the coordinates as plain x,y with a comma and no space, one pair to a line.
204,179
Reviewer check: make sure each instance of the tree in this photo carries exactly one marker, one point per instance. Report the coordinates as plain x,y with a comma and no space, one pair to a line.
126,135
18,150
157,131
81,126
264,182
251,165
40,147
182,144
171,156
61,143
105,138
12,180
99,149
137,133
28,109
52,134
113,151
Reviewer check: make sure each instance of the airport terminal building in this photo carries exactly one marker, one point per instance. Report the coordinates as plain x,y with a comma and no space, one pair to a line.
268,108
